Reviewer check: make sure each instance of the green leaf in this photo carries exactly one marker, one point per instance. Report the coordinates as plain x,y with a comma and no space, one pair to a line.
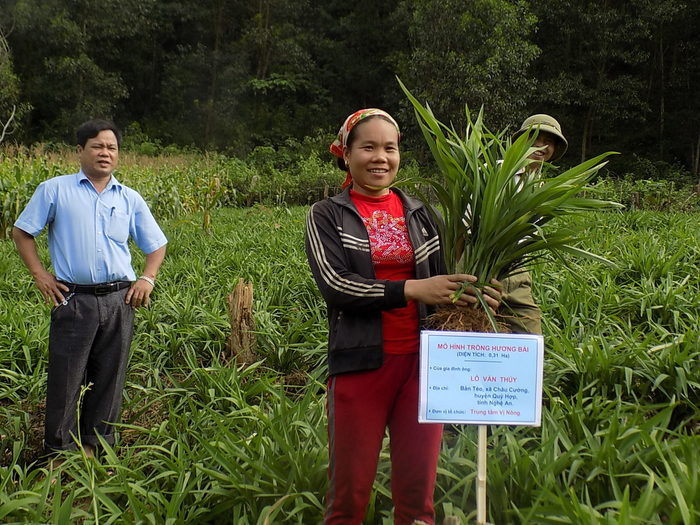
495,215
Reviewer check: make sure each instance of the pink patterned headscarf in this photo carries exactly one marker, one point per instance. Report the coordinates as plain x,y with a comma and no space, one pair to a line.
338,145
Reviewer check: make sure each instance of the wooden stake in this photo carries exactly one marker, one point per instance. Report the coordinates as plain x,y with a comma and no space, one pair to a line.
241,341
481,478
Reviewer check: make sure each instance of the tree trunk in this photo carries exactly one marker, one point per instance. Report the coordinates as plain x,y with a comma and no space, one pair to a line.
695,155
264,47
214,84
662,101
6,125
587,130
241,341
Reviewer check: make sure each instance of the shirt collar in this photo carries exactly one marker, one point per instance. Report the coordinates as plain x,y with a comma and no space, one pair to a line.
113,182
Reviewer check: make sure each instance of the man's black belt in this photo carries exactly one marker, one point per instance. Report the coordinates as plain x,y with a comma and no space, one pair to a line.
98,289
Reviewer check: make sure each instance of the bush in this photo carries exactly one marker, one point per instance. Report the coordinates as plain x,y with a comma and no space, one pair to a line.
646,194
135,140
635,167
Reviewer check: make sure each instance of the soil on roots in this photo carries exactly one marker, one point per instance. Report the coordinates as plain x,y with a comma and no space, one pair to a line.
462,319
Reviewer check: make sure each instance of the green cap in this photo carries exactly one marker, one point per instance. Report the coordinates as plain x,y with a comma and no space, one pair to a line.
543,122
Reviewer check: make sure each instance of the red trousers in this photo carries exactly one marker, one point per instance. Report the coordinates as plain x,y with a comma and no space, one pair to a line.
360,407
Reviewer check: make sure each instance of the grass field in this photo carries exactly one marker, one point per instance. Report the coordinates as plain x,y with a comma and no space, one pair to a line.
203,441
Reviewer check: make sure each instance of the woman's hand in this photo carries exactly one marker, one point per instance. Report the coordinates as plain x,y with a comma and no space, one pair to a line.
440,289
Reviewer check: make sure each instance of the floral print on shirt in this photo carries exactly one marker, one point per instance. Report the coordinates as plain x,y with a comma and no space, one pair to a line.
389,239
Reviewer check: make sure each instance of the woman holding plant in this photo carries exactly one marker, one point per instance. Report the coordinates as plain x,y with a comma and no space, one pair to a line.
375,255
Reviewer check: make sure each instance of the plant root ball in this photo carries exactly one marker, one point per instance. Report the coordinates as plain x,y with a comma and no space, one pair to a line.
462,319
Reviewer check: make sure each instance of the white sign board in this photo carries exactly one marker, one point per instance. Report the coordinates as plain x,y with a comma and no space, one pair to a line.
480,378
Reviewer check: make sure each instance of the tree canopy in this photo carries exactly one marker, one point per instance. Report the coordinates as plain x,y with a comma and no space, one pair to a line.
231,75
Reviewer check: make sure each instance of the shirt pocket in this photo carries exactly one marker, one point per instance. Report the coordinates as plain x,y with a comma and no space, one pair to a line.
118,226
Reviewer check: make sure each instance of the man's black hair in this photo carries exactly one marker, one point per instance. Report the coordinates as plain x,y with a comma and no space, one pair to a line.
92,128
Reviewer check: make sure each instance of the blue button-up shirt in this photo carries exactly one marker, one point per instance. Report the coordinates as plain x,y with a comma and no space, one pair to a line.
89,231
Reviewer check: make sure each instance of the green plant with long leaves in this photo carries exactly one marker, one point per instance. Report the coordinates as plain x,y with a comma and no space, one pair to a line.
203,441
492,211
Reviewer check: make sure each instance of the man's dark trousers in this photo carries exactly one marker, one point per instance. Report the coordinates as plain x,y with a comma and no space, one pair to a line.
89,342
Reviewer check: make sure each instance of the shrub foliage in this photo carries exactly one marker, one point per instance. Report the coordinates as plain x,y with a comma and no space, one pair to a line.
203,441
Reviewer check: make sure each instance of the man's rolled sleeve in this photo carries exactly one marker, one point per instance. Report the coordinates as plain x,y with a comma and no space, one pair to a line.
145,230
38,211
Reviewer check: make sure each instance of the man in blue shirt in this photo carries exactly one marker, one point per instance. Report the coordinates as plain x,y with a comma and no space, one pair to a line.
93,289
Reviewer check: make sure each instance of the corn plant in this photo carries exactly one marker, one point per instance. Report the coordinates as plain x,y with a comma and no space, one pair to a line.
18,178
173,186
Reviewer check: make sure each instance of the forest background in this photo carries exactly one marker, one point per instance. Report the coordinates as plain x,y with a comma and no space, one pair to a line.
233,76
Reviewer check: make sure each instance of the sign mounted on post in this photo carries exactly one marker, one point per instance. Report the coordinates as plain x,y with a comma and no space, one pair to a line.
480,378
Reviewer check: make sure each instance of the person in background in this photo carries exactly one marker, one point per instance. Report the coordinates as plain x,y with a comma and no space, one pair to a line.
519,310
93,287
374,253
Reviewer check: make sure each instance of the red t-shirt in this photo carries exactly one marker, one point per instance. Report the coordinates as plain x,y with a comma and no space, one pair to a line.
392,257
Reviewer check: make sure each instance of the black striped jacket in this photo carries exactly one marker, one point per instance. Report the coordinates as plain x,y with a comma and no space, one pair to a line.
338,250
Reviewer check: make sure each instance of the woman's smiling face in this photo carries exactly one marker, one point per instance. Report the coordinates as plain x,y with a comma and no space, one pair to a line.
373,156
